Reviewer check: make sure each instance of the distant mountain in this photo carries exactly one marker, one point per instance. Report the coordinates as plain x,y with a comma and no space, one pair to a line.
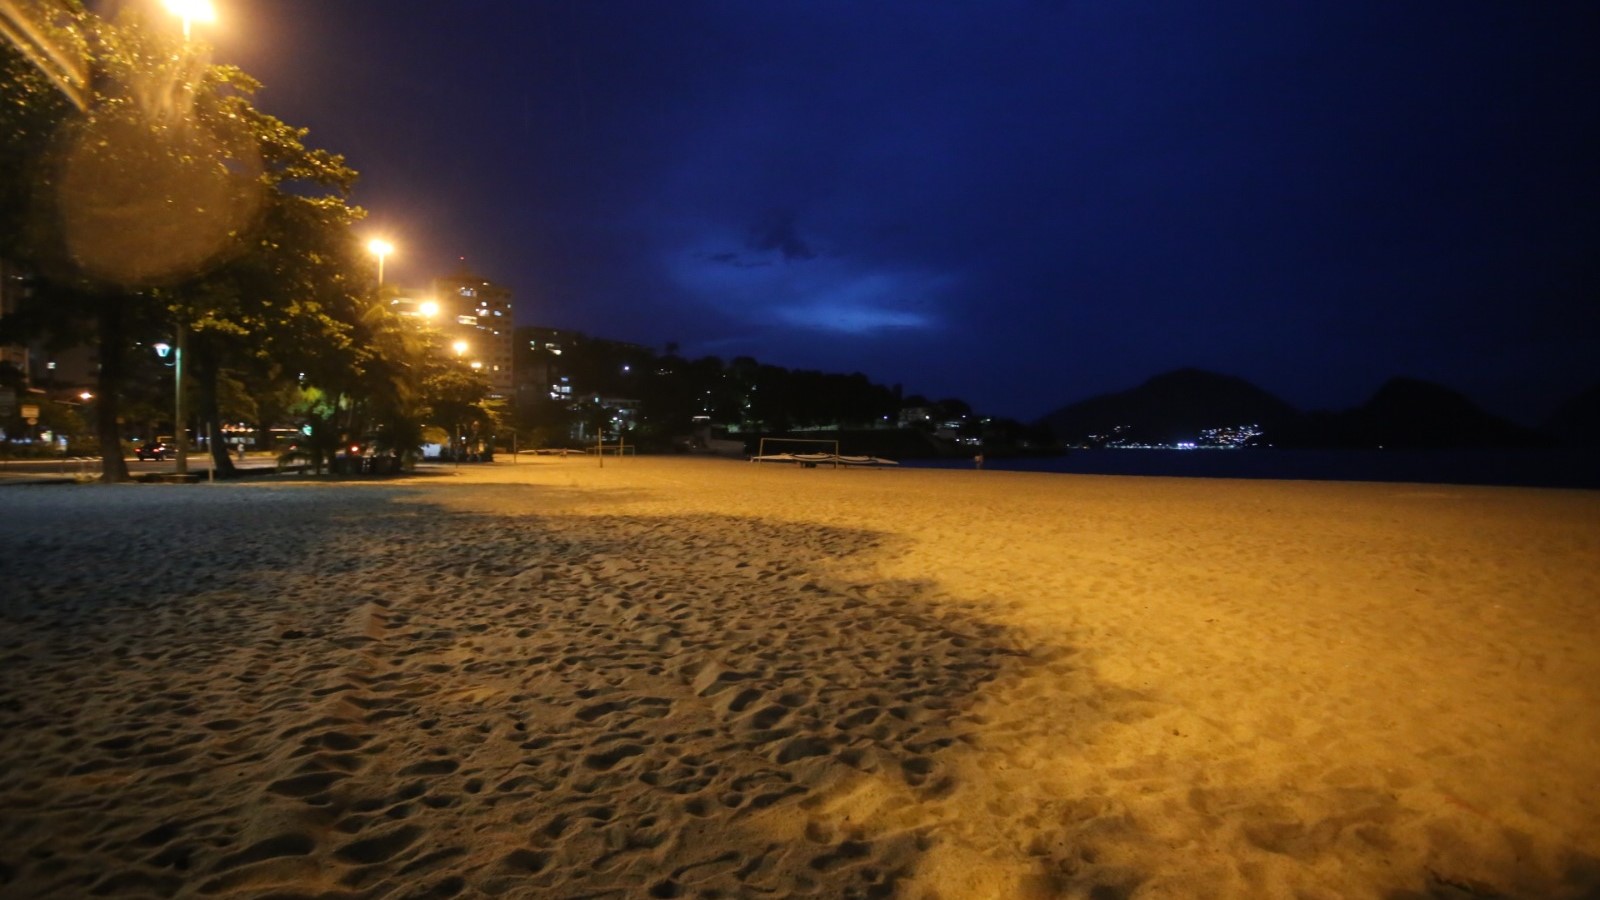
1411,413
1577,422
1173,407
1404,413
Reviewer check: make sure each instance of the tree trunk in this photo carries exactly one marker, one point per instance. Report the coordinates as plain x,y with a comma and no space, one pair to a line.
113,468
269,412
205,376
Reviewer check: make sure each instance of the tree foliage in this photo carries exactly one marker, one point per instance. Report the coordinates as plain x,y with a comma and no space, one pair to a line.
172,202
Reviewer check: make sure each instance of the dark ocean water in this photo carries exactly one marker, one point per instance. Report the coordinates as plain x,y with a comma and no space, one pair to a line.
1576,468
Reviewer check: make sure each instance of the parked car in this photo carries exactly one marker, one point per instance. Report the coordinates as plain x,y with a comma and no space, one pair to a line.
155,450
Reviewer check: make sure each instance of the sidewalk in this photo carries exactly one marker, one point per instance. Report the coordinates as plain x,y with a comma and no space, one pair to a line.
53,471
14,478
86,470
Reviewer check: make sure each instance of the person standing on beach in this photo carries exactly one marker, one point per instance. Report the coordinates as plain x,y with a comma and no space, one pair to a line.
977,461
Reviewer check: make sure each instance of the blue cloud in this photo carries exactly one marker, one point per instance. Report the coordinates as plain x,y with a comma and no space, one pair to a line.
830,294
850,319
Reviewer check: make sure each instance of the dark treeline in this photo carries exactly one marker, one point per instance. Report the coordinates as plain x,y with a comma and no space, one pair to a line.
665,394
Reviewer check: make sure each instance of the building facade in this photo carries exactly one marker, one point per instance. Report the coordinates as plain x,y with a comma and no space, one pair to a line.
542,370
597,381
558,364
474,317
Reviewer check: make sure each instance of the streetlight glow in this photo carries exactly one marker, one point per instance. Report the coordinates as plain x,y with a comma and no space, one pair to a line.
460,347
428,308
192,11
380,248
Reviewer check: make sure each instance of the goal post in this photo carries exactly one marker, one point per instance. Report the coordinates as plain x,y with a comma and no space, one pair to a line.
806,445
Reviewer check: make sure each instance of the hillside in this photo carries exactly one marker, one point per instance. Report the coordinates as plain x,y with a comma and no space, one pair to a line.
1408,412
1577,422
1403,413
1173,407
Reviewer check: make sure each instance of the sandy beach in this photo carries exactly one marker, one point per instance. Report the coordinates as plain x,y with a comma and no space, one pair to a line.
700,678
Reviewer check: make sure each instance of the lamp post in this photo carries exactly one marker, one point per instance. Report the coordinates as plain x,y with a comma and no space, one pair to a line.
180,442
460,347
380,248
189,11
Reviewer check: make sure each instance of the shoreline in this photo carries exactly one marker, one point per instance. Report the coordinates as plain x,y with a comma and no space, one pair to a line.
1577,468
909,683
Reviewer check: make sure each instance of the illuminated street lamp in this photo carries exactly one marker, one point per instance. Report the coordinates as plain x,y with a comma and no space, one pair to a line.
192,11
428,308
460,347
189,11
180,437
380,248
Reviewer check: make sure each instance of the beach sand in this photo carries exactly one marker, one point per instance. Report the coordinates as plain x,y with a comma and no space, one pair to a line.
700,678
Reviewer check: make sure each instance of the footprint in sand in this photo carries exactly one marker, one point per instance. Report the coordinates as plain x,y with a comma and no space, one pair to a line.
379,848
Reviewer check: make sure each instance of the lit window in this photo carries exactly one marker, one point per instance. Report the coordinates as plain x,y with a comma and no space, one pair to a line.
467,320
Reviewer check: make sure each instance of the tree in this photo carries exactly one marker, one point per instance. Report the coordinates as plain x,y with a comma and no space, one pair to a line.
320,412
242,231
544,422
457,402
291,296
31,110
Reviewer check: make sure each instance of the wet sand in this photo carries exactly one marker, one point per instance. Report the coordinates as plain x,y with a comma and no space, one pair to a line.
697,678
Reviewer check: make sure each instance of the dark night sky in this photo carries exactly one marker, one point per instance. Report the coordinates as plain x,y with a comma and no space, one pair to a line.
1019,203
